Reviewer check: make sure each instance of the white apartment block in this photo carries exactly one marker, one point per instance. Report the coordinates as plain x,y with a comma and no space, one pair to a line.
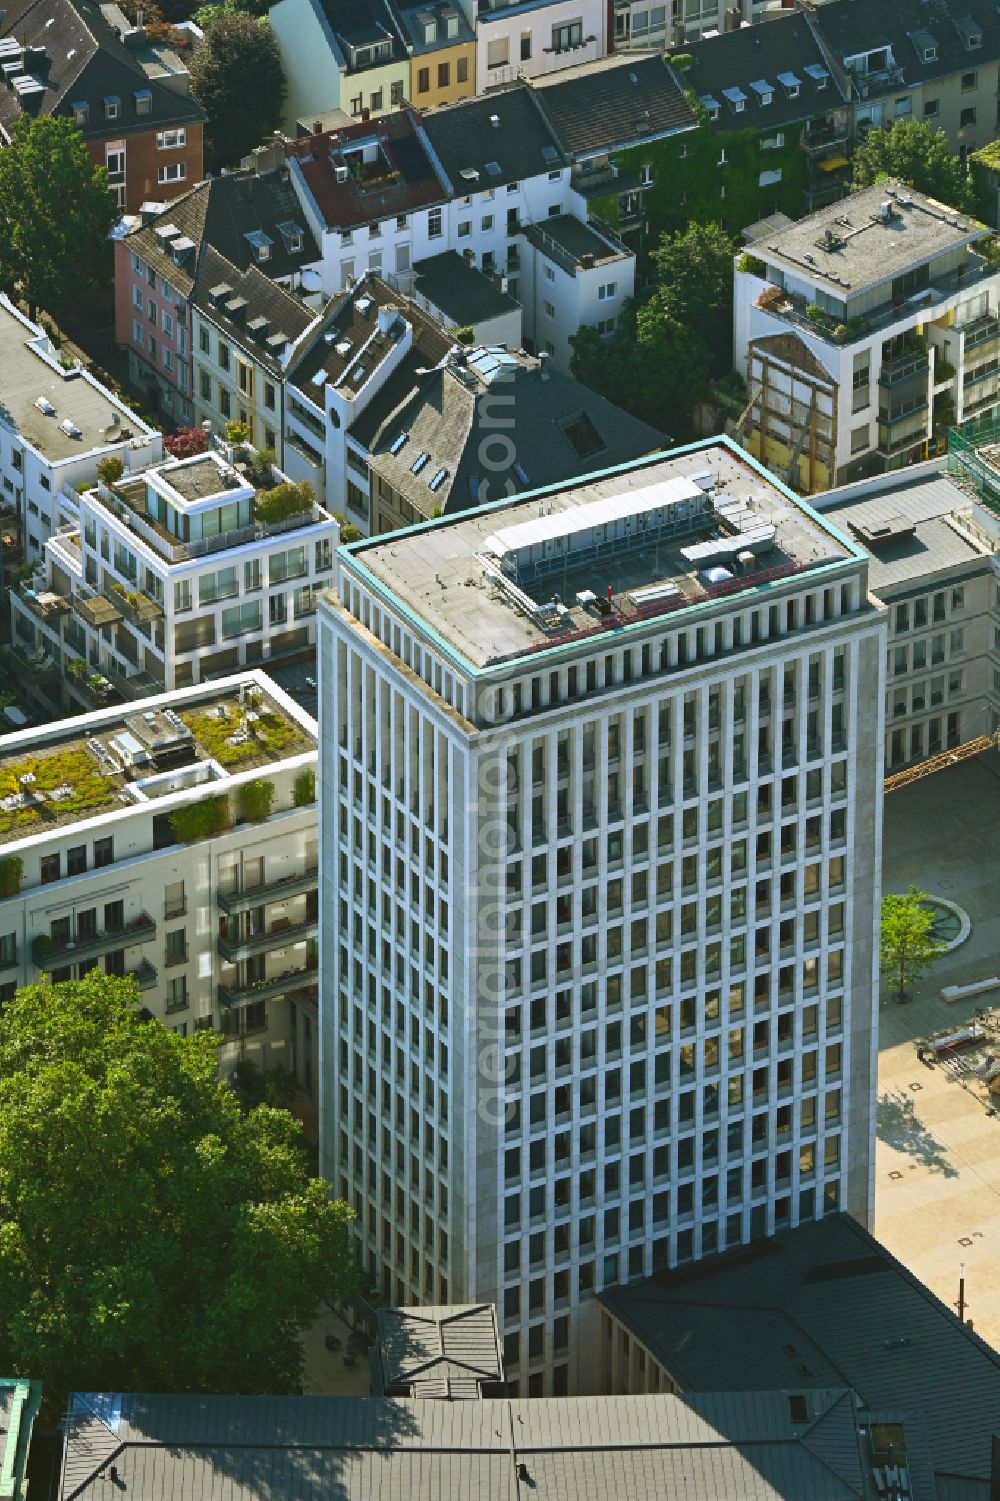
56,424
130,843
533,37
173,576
863,331
933,566
601,831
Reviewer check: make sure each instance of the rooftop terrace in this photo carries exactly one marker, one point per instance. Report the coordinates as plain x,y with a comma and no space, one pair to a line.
63,414
553,568
575,245
854,245
118,758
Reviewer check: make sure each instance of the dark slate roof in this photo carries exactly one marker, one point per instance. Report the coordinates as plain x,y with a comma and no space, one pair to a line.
759,54
261,298
852,26
823,1304
410,181
351,321
221,212
614,103
409,14
460,291
85,61
521,143
448,413
361,22
687,1448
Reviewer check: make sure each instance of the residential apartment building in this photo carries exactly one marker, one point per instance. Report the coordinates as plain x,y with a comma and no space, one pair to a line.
340,54
601,821
864,334
442,47
128,92
932,567
527,40
167,578
244,329
939,64
56,424
251,222
176,843
392,422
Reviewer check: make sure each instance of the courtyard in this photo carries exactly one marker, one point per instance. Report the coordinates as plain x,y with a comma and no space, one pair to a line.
937,1174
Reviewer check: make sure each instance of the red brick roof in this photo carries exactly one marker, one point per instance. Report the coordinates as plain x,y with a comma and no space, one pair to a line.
404,178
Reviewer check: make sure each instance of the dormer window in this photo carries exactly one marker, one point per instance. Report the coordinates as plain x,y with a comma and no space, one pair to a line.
712,105
924,45
143,101
968,30
790,84
292,235
819,75
81,112
261,244
763,90
112,107
736,99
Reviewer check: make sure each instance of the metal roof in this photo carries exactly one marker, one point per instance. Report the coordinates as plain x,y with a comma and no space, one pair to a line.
596,513
822,1304
715,1447
440,1352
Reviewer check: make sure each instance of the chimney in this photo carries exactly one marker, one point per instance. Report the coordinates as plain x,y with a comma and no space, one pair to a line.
543,364
587,261
317,127
386,318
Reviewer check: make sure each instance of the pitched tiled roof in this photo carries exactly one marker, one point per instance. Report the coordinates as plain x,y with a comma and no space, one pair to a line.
852,26
562,430
282,314
351,322
221,212
406,182
776,54
614,103
80,57
501,137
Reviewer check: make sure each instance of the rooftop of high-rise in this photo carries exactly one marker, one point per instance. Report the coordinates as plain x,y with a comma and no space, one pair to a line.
667,534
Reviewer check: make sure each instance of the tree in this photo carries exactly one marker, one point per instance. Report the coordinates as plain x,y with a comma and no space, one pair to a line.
651,366
237,78
154,1235
915,153
908,947
186,442
694,273
56,213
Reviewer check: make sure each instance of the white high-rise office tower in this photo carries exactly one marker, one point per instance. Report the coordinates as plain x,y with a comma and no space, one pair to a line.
600,843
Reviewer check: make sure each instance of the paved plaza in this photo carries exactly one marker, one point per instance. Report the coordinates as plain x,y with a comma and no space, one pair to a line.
937,1179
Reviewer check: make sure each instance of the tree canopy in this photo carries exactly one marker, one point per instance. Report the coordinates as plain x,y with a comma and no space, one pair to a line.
694,285
154,1236
917,154
907,944
237,78
56,212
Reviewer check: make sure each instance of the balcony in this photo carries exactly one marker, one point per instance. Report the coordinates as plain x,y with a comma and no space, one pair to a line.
43,603
144,974
129,509
133,685
48,953
94,609
901,367
267,990
235,949
139,608
232,902
902,431
981,331
820,139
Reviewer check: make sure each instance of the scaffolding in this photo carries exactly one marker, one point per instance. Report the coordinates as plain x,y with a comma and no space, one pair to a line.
974,458
941,762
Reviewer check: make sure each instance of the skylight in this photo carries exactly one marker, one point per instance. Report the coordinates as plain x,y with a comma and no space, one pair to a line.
398,443
438,480
419,462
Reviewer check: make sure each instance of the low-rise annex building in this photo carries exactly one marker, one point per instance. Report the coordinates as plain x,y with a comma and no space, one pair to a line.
174,841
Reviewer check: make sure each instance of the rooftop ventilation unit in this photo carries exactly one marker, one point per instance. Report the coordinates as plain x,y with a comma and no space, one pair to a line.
70,428
45,406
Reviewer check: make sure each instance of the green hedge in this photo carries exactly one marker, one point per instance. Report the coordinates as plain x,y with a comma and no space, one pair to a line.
255,800
202,820
284,501
304,788
11,871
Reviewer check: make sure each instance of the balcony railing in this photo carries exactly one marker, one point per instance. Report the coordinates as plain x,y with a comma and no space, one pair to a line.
46,953
902,367
136,606
235,949
144,974
43,602
980,331
270,891
266,990
817,139
180,552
